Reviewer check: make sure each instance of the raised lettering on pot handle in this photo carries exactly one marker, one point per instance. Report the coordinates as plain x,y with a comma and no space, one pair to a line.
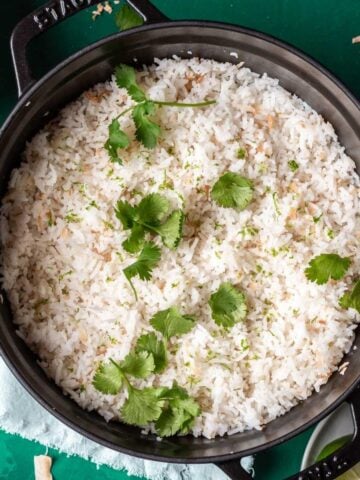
50,14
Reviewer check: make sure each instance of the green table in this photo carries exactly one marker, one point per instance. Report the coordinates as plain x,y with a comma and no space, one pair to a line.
322,28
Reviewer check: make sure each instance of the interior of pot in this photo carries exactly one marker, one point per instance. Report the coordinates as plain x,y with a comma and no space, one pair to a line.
96,64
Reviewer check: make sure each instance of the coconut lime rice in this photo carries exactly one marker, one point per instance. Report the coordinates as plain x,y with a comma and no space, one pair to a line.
63,258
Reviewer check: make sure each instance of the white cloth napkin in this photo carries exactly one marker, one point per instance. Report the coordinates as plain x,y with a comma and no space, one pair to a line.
20,414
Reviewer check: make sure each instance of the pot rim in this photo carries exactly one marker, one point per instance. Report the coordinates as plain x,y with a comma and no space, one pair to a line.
163,458
180,23
26,96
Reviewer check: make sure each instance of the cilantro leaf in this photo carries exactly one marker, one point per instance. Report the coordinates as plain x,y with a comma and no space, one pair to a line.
117,139
228,305
147,132
149,257
170,322
136,240
147,216
127,18
169,422
345,300
152,209
139,365
142,406
151,344
232,191
147,260
125,213
108,378
125,77
179,414
325,266
293,165
171,230
351,299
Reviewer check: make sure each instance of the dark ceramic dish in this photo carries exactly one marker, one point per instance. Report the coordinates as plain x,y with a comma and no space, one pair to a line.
161,38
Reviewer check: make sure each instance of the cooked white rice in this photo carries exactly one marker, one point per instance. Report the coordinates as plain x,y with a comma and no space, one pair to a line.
71,301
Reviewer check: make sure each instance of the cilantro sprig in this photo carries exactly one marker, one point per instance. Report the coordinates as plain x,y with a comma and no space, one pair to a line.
326,266
142,406
148,259
147,130
228,305
111,376
157,348
178,413
173,410
351,299
150,215
232,191
171,322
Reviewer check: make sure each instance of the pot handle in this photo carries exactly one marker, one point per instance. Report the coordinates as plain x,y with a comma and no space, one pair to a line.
327,469
50,14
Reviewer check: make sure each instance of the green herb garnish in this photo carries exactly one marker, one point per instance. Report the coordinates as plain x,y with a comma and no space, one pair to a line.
228,305
172,408
171,322
249,230
138,365
146,262
125,77
151,344
63,275
330,233
293,165
274,196
326,266
142,406
147,131
178,414
108,378
232,191
241,153
117,139
72,217
317,219
50,220
150,216
125,213
351,299
171,230
136,240
127,18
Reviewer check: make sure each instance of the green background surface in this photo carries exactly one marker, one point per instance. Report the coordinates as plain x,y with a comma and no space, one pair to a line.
321,28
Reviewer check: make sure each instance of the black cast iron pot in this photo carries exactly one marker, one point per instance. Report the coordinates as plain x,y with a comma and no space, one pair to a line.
161,38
